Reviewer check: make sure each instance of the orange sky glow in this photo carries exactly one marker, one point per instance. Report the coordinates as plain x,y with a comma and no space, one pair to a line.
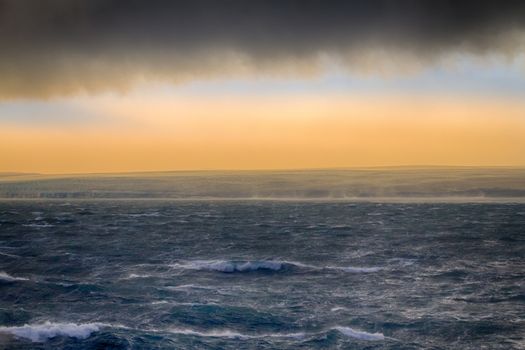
157,133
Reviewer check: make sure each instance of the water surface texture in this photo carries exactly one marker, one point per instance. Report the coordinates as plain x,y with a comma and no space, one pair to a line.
261,275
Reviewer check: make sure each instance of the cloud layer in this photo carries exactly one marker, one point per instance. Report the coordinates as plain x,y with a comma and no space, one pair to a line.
63,47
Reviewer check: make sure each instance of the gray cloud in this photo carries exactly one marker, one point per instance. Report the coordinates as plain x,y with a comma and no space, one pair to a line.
61,47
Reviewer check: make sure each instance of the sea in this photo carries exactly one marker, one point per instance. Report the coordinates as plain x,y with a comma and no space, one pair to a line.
161,274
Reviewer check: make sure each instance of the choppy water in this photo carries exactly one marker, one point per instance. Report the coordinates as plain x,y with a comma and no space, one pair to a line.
261,275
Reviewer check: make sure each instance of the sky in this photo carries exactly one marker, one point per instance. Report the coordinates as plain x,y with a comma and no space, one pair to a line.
114,86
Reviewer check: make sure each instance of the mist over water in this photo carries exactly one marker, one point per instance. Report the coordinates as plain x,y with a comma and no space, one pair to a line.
399,183
268,275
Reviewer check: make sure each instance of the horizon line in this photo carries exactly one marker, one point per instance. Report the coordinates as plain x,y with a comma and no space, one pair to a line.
237,170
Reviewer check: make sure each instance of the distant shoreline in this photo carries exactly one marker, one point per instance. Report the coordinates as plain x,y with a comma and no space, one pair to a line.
405,185
386,200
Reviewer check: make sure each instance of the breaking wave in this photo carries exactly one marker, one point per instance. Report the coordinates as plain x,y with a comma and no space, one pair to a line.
7,277
230,266
44,225
338,308
135,275
39,333
358,269
350,332
231,334
48,330
190,287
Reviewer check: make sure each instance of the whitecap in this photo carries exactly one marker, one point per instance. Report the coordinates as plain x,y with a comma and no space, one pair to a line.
7,277
216,334
135,275
38,225
362,335
351,269
230,266
338,308
354,269
189,286
230,334
47,330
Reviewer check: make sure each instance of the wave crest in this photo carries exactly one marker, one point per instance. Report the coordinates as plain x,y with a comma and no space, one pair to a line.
360,269
232,334
230,266
42,332
4,276
362,335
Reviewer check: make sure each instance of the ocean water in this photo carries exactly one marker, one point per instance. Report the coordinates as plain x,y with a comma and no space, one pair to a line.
261,275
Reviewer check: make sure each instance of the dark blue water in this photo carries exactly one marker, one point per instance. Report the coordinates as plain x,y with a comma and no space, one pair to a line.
261,275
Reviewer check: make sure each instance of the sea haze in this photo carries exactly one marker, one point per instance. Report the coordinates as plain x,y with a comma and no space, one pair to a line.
387,183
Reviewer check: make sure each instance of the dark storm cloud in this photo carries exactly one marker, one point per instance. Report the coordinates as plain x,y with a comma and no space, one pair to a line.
57,47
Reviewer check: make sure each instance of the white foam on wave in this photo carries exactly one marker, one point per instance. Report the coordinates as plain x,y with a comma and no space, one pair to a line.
354,269
216,334
135,275
350,332
190,286
231,334
38,225
339,308
175,303
42,332
4,276
227,333
351,269
230,266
